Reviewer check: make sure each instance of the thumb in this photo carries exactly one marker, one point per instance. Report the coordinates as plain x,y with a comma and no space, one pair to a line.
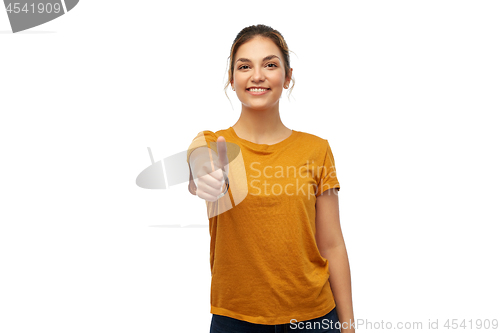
222,152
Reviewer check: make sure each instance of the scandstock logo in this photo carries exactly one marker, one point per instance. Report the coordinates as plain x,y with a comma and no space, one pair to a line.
174,169
24,15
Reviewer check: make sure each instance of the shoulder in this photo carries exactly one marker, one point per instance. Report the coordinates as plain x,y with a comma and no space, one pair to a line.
312,139
215,134
311,145
210,135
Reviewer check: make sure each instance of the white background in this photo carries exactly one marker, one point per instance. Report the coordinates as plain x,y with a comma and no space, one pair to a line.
406,93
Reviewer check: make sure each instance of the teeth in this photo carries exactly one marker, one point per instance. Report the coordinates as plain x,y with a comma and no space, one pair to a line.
257,89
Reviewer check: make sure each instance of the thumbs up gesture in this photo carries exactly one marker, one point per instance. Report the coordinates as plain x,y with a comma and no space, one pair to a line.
223,161
211,172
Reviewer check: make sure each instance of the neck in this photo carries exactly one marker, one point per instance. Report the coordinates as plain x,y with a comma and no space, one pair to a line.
260,126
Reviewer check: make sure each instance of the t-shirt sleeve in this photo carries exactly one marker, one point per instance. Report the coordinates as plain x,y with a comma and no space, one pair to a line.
328,173
203,139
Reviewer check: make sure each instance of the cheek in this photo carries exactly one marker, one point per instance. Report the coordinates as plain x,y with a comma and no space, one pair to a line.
240,80
277,79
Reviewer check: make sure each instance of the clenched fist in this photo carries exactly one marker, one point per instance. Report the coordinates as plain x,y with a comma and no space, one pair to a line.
210,172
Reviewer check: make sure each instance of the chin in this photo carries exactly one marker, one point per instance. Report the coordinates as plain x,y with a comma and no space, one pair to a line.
255,106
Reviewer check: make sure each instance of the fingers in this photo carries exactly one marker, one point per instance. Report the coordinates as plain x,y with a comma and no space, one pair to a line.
211,184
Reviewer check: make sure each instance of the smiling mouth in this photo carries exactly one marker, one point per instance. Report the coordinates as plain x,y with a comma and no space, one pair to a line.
258,92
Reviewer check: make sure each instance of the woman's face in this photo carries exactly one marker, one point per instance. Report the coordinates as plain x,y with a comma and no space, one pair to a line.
259,63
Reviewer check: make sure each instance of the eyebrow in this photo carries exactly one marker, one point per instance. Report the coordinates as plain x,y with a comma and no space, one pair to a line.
269,57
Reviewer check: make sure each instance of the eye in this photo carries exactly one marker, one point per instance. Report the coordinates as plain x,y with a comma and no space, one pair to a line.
241,67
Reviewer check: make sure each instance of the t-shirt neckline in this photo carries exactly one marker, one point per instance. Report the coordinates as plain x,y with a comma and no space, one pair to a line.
264,146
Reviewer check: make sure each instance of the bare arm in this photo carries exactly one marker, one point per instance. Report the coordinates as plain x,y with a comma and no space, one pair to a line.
197,158
200,156
332,247
200,152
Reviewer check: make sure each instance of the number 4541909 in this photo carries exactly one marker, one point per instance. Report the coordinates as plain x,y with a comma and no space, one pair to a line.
477,324
40,8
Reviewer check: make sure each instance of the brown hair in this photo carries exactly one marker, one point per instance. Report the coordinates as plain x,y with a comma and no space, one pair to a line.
251,32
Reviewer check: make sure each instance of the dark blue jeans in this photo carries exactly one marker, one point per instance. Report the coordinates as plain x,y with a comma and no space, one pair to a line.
329,323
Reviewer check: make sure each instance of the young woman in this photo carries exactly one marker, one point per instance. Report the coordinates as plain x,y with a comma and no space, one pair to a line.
277,254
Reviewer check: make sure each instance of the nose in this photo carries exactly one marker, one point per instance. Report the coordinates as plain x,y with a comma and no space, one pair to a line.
258,74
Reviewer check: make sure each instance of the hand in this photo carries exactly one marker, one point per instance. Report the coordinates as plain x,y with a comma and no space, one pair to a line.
209,176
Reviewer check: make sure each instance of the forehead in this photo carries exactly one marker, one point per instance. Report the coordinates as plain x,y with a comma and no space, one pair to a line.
257,48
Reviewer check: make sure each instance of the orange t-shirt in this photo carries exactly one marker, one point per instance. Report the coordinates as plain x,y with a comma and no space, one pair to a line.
265,263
